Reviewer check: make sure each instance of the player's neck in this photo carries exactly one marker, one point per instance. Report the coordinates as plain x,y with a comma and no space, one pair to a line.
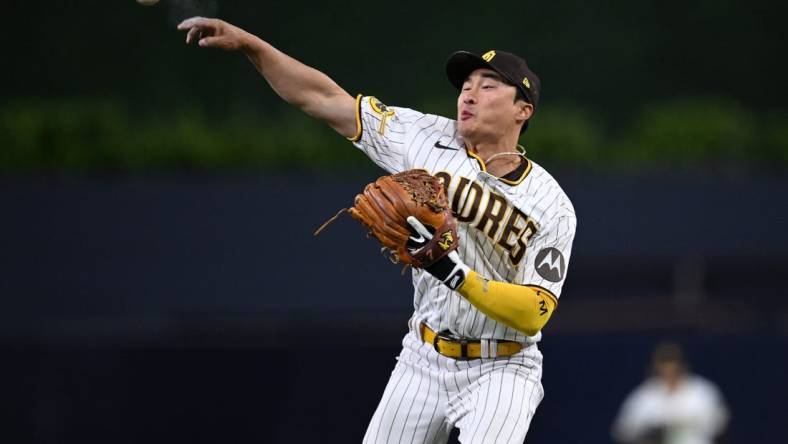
494,155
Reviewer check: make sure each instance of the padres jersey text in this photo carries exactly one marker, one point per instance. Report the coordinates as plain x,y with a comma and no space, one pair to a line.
518,229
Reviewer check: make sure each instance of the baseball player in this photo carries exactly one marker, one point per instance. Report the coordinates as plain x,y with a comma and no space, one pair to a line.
672,406
470,359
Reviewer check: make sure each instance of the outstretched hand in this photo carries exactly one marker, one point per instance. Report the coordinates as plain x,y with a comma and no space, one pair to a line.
214,33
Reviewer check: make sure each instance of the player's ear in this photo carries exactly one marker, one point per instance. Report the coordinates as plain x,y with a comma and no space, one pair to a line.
523,110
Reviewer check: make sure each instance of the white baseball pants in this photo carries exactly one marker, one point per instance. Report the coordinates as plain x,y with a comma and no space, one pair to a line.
489,400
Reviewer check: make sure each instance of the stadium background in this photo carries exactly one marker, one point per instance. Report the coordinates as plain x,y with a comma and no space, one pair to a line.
158,277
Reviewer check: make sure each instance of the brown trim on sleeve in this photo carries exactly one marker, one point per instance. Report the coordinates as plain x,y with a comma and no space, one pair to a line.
357,136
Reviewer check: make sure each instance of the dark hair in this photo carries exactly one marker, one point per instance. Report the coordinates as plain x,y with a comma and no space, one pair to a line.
668,352
519,95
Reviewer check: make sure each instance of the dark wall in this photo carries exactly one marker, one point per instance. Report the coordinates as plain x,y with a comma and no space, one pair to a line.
326,393
142,247
203,310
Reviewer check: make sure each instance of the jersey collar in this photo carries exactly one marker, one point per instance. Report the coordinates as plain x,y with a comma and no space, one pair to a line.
516,176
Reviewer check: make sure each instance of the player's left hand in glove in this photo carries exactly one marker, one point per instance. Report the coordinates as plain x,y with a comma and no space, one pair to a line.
385,206
449,269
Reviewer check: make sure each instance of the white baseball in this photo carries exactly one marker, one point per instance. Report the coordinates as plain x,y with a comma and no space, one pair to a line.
147,2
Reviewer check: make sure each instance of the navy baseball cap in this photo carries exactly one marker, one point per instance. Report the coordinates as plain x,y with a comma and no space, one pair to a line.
510,66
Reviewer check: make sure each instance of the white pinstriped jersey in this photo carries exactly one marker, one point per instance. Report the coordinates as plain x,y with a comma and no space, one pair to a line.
518,230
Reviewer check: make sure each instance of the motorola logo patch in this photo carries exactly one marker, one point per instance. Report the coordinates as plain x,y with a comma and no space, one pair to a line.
550,264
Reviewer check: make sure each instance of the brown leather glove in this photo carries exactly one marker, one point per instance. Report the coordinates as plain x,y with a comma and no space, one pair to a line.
384,206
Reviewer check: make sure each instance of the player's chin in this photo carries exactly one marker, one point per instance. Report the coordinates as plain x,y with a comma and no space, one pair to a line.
465,129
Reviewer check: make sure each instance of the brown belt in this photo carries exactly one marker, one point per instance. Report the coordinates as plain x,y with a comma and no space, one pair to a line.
467,348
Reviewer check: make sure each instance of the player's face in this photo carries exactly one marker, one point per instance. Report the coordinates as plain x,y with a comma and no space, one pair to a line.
670,372
486,107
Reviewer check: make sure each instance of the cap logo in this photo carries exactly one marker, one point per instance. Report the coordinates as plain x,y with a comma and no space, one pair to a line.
488,56
527,83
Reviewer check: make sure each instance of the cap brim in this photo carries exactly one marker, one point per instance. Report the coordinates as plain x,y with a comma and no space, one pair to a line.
461,64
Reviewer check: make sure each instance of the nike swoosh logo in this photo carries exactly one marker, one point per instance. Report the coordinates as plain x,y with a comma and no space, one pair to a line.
444,147
419,239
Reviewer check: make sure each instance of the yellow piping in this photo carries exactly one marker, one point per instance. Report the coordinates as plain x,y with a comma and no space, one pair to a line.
510,182
357,136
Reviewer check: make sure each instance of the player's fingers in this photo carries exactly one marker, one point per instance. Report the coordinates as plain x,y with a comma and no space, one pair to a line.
193,34
212,42
192,22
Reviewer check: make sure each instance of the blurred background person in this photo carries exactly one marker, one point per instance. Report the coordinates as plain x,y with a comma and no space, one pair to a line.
673,406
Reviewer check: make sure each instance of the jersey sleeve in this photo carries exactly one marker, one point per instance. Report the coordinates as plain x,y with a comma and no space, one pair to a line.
381,132
548,255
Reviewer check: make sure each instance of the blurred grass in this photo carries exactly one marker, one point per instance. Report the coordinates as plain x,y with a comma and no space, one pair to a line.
86,136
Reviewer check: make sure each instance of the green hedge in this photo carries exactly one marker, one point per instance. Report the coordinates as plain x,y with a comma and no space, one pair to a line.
103,136
100,136
678,133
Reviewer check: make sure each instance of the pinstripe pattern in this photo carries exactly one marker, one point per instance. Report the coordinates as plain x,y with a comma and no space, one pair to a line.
502,227
489,400
409,142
